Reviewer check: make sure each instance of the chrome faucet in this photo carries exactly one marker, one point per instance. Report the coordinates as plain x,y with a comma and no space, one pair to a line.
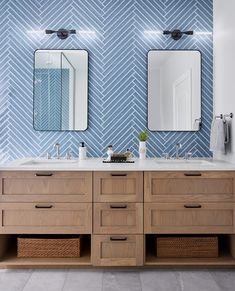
177,148
57,147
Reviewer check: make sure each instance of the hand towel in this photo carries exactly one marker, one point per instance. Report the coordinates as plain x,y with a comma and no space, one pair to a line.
217,138
227,132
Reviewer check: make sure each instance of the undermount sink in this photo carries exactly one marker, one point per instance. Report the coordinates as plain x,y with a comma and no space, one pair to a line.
38,162
184,162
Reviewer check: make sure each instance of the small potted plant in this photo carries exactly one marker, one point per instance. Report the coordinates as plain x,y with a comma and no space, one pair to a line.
142,136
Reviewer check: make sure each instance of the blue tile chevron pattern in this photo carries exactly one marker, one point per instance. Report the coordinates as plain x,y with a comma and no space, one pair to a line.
117,70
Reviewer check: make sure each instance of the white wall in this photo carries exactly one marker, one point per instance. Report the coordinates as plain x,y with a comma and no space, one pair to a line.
224,63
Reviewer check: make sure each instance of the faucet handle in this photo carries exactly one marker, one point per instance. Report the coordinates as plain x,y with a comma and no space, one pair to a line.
48,155
179,145
188,155
69,155
166,156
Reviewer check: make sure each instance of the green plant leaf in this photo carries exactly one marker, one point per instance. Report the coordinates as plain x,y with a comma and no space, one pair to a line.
143,135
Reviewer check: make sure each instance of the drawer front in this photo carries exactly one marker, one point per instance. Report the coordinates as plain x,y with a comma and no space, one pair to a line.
118,186
117,250
189,186
46,186
46,218
189,218
118,218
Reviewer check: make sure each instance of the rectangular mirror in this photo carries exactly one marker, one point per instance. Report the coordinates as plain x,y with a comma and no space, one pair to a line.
60,90
174,90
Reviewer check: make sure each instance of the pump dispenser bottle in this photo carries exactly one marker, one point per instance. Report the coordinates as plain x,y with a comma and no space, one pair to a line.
82,151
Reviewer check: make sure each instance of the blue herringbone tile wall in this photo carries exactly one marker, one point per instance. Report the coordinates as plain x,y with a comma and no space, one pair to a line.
117,70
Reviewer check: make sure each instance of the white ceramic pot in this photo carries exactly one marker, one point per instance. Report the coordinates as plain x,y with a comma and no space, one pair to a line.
142,150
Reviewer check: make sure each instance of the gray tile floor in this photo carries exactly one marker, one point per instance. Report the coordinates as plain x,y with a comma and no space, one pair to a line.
113,280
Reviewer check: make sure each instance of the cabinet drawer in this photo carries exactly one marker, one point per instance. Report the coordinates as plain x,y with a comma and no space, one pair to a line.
46,186
118,186
118,218
46,218
117,250
189,218
189,186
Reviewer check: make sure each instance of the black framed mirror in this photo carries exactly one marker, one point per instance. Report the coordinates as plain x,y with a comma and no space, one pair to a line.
60,90
174,90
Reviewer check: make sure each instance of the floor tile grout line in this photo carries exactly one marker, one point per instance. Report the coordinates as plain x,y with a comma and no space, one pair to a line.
65,279
141,289
181,282
31,272
102,284
212,276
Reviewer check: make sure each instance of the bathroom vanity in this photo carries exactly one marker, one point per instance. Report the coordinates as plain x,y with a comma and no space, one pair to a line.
119,209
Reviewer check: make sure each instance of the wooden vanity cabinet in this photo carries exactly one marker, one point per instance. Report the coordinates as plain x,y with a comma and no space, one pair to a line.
189,187
188,218
118,186
120,213
117,250
118,219
44,186
46,218
189,202
46,202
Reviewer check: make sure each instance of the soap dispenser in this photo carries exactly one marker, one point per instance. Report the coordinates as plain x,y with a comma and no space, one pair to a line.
82,151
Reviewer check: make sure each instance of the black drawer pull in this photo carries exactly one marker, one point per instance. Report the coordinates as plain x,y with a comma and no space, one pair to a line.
192,174
118,175
192,206
43,174
118,206
44,206
120,238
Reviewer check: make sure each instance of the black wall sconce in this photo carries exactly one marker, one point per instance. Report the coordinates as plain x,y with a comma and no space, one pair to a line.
177,34
61,33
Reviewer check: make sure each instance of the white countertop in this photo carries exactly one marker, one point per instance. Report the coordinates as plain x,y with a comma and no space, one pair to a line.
96,164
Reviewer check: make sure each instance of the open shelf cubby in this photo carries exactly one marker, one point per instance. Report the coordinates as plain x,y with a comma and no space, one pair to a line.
226,256
9,259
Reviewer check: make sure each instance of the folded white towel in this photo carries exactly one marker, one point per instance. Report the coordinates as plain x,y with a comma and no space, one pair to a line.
217,139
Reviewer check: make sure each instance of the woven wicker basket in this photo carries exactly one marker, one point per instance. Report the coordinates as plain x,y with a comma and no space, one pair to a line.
187,247
48,246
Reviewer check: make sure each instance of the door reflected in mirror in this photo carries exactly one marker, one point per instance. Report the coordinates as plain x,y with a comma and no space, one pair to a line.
60,90
174,90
